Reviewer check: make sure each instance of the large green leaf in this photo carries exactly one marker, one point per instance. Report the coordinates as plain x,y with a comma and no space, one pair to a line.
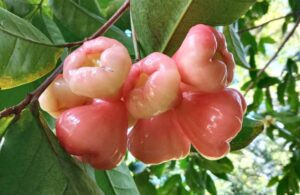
26,54
105,9
78,23
162,25
250,130
32,162
21,8
117,181
46,25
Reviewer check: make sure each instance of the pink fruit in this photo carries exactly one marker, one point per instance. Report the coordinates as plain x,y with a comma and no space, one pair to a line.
97,133
98,68
204,63
158,139
152,86
58,97
211,121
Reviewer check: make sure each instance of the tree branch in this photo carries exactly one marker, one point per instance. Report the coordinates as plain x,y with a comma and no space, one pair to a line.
290,34
34,95
103,28
264,24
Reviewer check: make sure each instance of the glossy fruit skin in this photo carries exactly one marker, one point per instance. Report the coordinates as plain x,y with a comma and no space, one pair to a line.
96,133
211,121
58,97
158,139
152,86
98,68
204,63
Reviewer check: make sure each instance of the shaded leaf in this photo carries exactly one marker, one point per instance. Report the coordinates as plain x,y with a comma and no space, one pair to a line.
235,46
80,23
268,100
171,186
17,94
32,162
47,26
267,81
117,181
250,130
210,185
28,54
158,31
143,183
21,8
223,165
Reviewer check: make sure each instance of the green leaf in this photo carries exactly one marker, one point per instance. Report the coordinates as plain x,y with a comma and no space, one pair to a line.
26,53
117,181
171,186
281,89
283,186
109,7
273,181
21,8
4,122
195,180
17,94
162,25
268,100
210,185
263,41
32,162
250,130
81,23
223,165
143,183
267,81
158,170
47,26
235,46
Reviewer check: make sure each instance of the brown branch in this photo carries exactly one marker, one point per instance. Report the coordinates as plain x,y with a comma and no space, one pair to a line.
290,34
264,24
103,28
34,95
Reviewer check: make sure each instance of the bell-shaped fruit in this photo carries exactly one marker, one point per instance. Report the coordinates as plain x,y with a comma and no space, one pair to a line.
96,133
58,97
212,120
204,63
158,139
152,86
98,68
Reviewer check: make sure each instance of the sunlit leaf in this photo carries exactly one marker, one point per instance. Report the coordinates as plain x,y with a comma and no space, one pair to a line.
162,25
26,53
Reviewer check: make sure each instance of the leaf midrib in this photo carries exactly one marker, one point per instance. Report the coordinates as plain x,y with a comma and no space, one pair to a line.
166,43
26,39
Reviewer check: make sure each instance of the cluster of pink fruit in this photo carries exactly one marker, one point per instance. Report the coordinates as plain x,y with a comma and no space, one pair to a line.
170,103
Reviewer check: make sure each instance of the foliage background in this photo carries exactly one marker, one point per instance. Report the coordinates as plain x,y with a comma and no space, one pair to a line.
269,165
